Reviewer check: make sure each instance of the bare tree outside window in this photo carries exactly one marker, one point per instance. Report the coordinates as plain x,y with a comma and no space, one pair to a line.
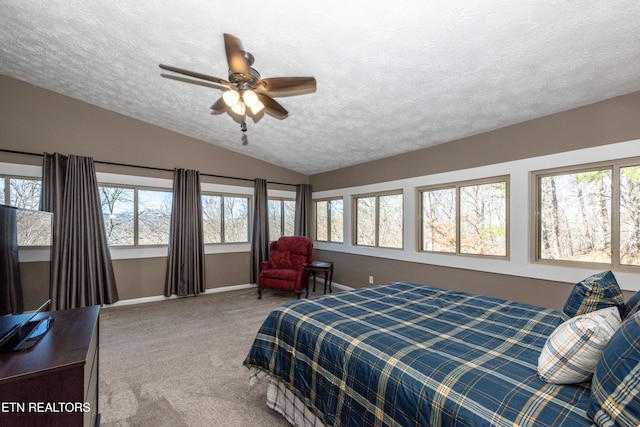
281,218
154,217
34,229
483,219
236,219
390,221
322,220
212,218
336,215
575,216
275,219
118,212
25,193
630,215
439,220
329,220
379,220
289,217
366,221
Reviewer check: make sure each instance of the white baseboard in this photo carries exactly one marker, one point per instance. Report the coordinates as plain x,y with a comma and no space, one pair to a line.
208,291
163,298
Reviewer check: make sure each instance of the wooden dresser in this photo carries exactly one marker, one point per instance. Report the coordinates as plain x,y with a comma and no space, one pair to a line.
56,382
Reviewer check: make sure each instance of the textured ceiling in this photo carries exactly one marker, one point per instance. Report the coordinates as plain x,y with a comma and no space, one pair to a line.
392,77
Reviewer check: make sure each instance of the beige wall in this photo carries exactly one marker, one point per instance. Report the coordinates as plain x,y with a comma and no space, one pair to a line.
606,122
611,121
36,120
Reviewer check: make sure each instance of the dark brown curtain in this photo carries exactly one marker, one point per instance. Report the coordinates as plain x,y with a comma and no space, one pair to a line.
185,263
260,229
11,290
81,270
302,223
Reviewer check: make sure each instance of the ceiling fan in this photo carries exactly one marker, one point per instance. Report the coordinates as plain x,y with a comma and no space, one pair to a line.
246,93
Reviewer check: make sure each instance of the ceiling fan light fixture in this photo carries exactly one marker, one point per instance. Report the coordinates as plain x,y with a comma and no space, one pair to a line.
239,108
259,106
250,98
231,97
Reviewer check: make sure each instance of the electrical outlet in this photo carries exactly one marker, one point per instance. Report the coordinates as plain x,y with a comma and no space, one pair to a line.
371,280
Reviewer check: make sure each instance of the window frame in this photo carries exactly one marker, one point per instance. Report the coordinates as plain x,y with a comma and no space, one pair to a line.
6,178
615,165
456,186
328,200
136,212
354,216
222,219
282,201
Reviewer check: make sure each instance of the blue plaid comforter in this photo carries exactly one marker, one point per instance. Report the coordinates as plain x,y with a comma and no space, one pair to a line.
402,354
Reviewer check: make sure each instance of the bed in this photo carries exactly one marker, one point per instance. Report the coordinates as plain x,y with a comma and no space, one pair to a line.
404,354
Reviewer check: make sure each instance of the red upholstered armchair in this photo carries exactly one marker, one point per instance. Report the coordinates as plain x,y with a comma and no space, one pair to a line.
288,257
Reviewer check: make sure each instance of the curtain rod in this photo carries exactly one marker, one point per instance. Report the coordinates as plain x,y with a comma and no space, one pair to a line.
26,153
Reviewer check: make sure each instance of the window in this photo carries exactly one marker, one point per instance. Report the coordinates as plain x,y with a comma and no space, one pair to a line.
225,218
118,212
21,192
439,220
329,220
465,218
630,215
136,216
589,214
379,220
25,193
281,218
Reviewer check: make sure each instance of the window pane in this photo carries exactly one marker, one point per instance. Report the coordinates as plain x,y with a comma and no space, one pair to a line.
33,228
439,220
321,221
630,215
118,214
275,219
2,193
390,223
336,212
483,219
236,219
366,221
575,216
154,217
24,193
212,218
289,217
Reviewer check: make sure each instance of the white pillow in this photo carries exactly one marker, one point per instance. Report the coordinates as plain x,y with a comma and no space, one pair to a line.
572,351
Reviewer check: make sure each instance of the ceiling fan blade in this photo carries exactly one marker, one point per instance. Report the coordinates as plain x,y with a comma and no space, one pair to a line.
287,86
219,106
194,81
272,107
195,74
236,55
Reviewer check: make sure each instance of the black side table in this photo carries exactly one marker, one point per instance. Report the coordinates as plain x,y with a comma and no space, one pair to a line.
322,267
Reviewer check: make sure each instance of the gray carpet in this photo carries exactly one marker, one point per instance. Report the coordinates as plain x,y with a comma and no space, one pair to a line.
179,362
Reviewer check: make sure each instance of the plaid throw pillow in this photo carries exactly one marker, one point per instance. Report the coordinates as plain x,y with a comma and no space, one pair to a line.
594,293
615,387
633,305
573,349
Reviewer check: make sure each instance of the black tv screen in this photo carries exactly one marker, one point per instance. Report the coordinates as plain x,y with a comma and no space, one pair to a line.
25,259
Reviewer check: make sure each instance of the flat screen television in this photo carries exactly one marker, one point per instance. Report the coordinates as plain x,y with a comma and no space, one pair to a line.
25,279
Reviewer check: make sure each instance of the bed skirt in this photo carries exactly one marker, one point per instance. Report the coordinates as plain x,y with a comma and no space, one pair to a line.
283,401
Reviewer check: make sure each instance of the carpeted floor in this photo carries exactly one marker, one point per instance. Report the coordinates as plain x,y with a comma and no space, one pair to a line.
179,362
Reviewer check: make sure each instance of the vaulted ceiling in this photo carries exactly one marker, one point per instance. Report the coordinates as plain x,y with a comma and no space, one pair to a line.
392,77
